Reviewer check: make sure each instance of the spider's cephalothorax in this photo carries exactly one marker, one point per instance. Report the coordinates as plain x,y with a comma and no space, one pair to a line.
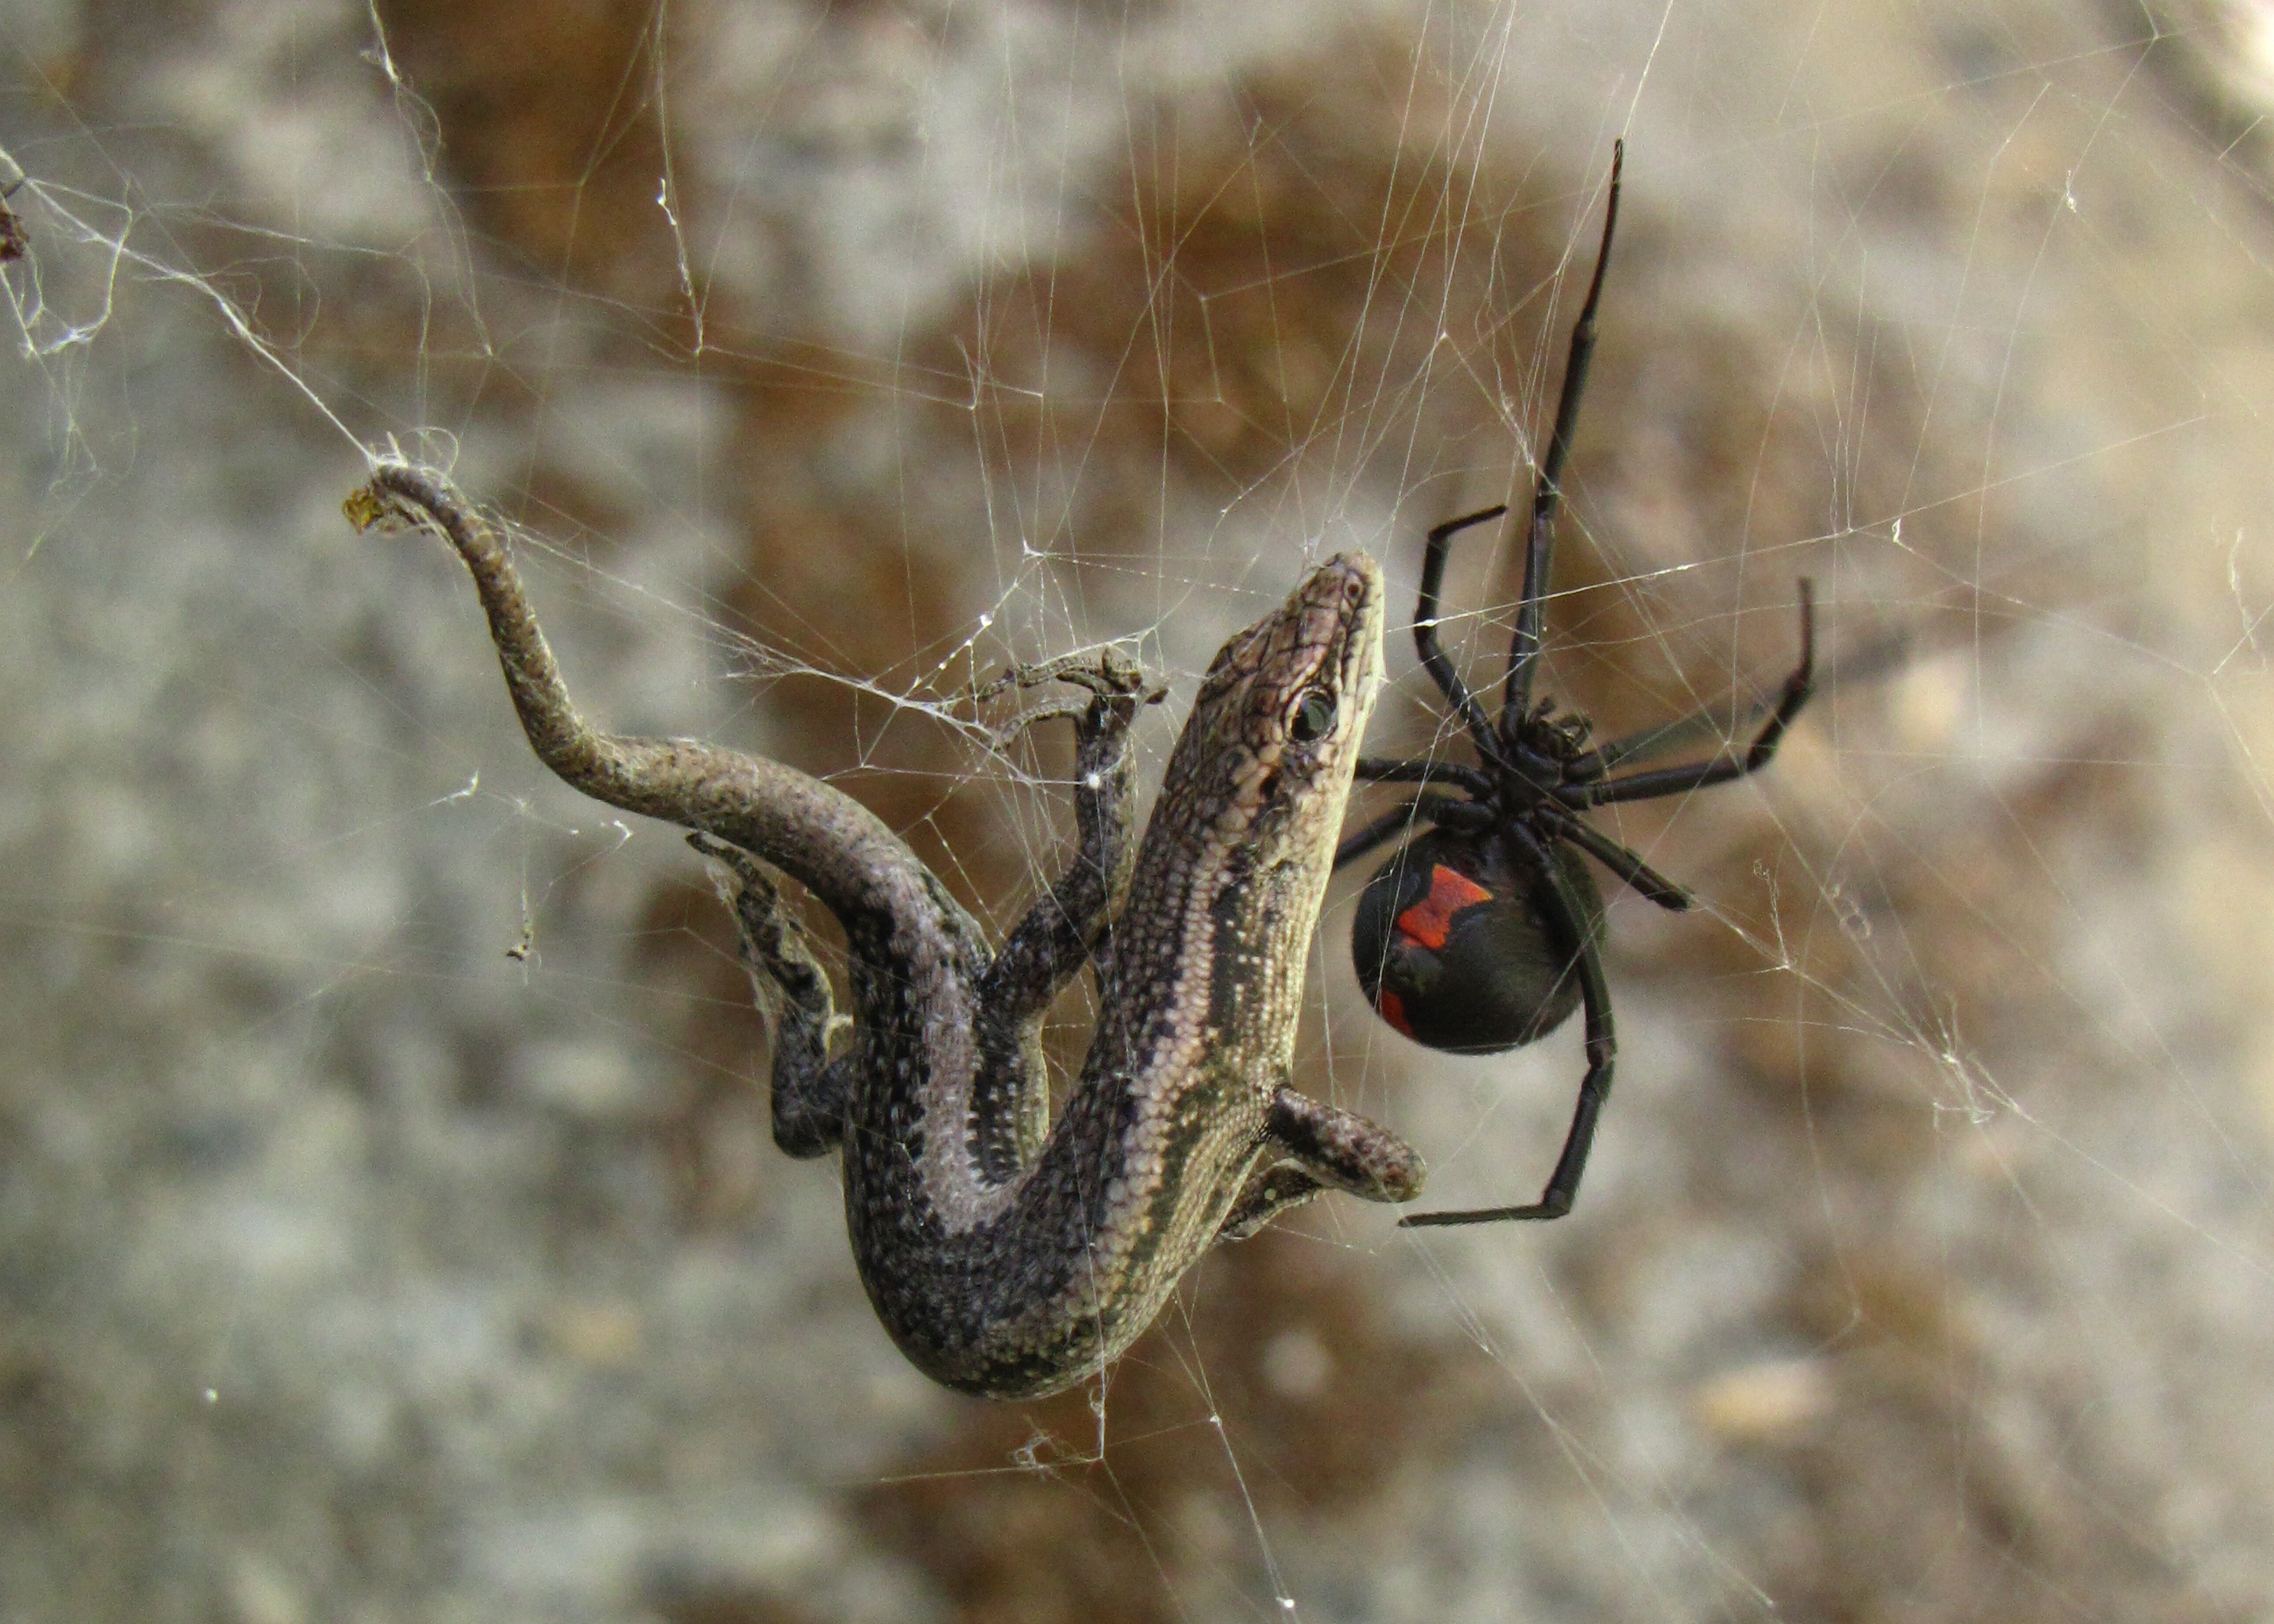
1486,931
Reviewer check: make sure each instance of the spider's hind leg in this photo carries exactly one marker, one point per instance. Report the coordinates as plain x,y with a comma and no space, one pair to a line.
1595,1089
811,1096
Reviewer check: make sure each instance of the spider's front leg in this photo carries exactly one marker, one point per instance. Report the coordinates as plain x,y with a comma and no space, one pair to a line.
1061,930
811,1094
1310,1146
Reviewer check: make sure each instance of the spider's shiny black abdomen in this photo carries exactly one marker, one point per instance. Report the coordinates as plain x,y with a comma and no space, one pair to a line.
1457,948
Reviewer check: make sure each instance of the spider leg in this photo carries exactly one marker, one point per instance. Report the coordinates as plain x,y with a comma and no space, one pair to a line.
1380,770
1698,775
1434,659
1547,489
1602,1050
1700,727
1627,866
1397,821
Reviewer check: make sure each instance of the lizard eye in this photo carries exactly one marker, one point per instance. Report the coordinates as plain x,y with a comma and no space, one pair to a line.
1313,716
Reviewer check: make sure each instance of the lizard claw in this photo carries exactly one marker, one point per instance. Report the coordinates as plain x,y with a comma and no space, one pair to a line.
1115,682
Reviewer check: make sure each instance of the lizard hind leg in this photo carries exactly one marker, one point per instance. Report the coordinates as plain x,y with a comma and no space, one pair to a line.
811,1094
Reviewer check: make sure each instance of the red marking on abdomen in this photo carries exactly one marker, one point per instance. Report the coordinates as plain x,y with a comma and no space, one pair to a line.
1428,921
1392,1009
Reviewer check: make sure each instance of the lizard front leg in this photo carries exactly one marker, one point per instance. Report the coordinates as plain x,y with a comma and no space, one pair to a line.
1309,1146
1048,947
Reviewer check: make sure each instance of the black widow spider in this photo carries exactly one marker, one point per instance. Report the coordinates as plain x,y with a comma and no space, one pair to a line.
1484,933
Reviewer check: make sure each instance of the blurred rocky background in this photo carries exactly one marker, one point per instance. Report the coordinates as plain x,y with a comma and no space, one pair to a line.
387,1225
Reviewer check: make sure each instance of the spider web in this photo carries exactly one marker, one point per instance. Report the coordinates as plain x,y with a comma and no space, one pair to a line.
387,1225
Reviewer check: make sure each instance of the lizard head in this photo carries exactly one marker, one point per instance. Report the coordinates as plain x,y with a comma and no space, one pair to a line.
1244,829
1237,851
1282,709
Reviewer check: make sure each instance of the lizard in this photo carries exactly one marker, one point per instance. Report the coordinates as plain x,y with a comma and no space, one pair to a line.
1005,1255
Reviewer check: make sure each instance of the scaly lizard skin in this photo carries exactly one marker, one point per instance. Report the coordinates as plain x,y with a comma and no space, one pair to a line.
1004,1259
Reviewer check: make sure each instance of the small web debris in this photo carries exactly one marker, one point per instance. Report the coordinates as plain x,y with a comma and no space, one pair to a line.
15,239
